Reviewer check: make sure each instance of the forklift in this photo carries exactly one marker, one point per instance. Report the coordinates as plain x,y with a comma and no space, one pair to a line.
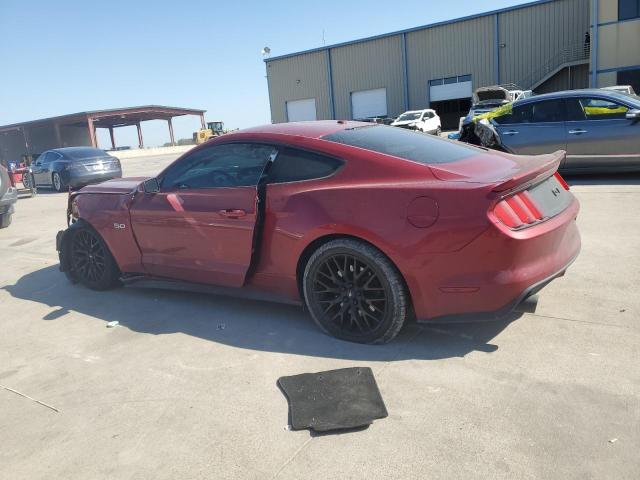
214,129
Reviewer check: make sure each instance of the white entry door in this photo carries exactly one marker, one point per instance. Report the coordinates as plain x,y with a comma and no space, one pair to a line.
369,103
301,110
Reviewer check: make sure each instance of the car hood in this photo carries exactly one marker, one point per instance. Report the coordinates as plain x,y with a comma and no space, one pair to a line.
497,167
117,186
405,122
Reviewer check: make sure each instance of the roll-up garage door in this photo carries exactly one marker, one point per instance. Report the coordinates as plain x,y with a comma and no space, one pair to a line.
369,103
301,110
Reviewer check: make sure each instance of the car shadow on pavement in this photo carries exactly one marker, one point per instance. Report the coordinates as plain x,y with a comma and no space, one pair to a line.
242,323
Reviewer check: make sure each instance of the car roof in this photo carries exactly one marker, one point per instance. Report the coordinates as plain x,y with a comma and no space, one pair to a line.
312,129
73,149
576,93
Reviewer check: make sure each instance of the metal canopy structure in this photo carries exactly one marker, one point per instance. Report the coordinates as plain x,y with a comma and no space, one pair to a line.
76,129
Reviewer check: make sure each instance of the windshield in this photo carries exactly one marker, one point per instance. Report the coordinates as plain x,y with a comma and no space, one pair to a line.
403,143
408,116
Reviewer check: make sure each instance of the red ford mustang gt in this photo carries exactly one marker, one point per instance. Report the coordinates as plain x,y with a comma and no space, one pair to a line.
369,225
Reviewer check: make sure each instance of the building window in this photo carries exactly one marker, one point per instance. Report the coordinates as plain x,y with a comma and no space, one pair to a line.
628,9
449,80
436,82
630,77
464,78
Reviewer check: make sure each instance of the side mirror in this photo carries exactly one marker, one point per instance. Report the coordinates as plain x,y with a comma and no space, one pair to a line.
151,185
633,114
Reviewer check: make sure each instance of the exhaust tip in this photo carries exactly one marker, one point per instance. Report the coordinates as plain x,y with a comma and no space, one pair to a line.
528,305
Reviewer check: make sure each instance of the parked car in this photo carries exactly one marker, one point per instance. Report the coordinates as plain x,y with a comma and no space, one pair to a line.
366,224
426,121
8,198
487,99
74,167
628,89
599,129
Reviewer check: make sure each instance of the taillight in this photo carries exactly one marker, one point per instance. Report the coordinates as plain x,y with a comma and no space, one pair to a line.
564,184
518,210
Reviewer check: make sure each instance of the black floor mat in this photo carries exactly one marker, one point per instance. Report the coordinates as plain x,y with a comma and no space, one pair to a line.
333,400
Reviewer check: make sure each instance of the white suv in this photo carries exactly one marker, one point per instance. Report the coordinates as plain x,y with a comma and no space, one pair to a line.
426,121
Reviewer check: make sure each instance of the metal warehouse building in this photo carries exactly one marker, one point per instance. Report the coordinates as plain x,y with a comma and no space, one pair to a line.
540,46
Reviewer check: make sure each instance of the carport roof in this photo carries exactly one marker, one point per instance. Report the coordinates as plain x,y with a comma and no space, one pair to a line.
115,117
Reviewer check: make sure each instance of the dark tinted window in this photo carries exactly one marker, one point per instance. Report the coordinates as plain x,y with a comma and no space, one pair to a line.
293,165
537,112
464,78
628,9
449,80
435,82
403,143
630,77
575,113
228,165
78,153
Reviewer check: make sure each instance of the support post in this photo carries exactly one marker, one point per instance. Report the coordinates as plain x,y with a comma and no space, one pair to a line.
56,127
26,140
173,142
202,121
595,18
496,49
332,108
405,72
140,142
113,138
92,132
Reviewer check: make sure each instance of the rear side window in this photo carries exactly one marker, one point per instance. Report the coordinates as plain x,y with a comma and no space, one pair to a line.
536,112
403,143
293,165
598,109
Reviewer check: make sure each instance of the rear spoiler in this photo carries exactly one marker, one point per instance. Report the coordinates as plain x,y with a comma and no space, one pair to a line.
548,166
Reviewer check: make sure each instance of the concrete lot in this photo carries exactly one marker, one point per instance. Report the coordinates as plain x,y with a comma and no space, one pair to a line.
186,386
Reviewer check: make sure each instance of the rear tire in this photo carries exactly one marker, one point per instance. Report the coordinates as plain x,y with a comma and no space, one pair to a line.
56,181
438,131
90,262
5,220
354,292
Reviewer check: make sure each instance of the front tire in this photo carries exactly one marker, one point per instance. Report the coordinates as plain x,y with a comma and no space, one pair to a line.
56,181
90,261
354,292
438,131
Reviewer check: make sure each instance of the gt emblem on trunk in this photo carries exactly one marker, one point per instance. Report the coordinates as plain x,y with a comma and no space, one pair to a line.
119,226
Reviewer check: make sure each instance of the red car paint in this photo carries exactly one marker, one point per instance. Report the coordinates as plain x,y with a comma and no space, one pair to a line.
436,223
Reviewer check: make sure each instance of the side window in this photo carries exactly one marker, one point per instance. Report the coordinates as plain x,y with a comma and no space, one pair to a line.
293,165
598,109
575,113
227,165
535,112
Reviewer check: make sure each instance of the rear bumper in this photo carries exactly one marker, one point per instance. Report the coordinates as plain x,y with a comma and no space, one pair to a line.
492,275
75,180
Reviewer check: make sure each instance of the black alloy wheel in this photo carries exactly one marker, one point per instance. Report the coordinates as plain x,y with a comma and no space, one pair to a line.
354,292
88,257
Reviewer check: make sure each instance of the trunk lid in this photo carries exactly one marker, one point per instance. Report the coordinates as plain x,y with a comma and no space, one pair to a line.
504,170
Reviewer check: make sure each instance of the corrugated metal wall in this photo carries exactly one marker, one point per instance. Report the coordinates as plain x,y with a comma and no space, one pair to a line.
363,66
460,48
530,36
536,35
295,78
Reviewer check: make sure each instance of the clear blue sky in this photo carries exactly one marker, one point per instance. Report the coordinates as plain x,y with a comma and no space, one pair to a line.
67,56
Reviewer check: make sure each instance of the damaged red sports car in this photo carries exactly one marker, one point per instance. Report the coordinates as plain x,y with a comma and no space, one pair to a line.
368,225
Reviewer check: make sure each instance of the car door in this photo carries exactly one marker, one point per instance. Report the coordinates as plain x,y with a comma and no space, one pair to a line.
428,121
599,136
200,226
39,169
533,128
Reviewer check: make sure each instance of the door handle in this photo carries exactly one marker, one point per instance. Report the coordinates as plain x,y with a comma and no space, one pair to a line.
510,132
577,131
232,213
